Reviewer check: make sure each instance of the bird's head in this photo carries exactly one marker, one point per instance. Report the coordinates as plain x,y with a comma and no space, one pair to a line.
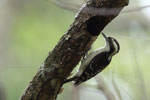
112,45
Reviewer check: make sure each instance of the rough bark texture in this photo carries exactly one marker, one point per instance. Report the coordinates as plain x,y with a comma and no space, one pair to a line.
69,50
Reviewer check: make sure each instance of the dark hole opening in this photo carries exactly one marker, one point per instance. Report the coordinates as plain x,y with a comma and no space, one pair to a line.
95,25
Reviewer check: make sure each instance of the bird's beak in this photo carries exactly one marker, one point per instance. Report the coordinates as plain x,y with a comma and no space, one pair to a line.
106,38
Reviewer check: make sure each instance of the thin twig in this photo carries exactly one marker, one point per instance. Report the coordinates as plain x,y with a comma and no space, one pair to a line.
116,87
102,85
74,7
66,5
136,9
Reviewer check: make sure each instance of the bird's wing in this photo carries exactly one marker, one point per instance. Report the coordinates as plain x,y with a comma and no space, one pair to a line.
96,65
85,62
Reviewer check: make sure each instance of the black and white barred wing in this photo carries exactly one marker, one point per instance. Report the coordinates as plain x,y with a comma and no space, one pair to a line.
96,65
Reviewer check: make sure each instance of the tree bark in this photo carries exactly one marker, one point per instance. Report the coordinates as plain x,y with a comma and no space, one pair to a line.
71,47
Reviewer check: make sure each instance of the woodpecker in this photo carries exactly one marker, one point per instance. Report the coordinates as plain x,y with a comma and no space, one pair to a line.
96,61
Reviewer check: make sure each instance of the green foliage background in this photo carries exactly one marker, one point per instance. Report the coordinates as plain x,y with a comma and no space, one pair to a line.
36,29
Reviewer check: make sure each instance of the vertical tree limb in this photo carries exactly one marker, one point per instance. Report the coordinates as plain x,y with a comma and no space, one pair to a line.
69,50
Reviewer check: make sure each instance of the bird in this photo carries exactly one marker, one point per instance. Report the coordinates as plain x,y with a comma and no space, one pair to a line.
96,61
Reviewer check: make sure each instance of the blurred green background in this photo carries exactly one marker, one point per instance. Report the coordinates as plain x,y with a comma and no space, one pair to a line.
29,29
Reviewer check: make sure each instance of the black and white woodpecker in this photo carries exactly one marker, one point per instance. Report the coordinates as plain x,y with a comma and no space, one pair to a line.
96,61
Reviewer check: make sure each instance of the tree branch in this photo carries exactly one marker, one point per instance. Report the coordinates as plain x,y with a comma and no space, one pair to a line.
69,50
